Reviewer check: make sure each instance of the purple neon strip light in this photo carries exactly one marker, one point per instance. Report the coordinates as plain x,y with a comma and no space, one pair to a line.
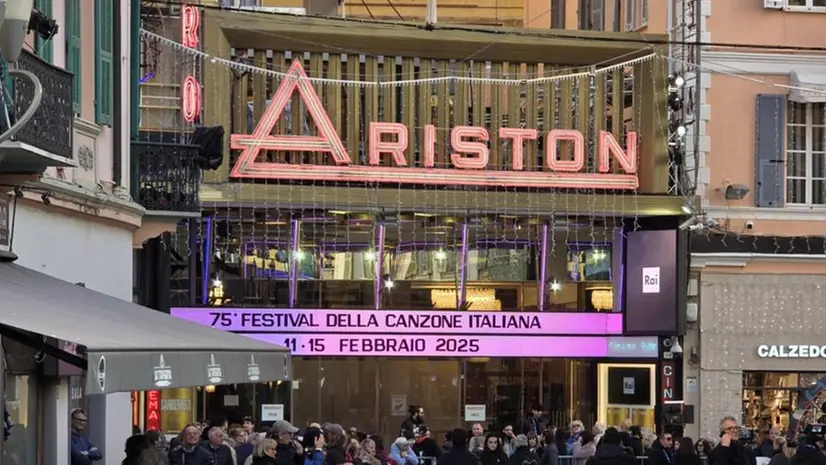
543,267
402,321
295,239
343,345
463,256
379,264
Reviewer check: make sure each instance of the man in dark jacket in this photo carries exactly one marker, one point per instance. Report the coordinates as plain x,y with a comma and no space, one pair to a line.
425,445
190,452
611,451
459,454
289,451
809,452
730,451
83,451
662,451
221,453
534,423
411,424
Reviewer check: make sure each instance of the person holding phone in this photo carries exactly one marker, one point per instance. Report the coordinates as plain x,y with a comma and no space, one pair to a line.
730,451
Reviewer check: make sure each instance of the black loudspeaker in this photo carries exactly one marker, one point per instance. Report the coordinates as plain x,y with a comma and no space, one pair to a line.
210,142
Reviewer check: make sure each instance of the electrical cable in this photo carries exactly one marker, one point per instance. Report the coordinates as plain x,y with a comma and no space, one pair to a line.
526,32
395,10
37,99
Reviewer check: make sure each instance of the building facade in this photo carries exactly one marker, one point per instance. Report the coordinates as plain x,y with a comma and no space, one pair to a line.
758,267
350,254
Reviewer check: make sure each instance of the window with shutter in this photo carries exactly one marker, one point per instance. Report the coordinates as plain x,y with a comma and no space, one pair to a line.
558,14
598,15
643,12
44,47
769,141
73,61
629,15
103,61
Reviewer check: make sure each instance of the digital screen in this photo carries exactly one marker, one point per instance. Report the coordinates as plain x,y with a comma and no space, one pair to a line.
651,282
629,386
402,321
407,333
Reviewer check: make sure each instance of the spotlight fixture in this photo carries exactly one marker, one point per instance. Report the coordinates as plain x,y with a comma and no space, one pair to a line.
678,128
44,26
46,197
675,80
388,283
675,102
18,192
689,224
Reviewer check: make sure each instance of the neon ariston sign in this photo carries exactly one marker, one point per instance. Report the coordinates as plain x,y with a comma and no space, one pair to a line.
470,157
190,87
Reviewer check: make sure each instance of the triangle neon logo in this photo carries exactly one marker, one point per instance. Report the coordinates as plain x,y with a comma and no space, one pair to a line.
261,139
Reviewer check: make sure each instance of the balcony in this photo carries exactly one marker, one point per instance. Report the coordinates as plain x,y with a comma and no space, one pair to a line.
47,139
165,178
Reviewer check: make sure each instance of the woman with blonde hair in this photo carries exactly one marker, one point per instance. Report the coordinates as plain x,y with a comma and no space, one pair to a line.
366,453
264,453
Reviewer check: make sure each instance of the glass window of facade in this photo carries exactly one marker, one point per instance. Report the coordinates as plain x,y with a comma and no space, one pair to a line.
21,402
788,401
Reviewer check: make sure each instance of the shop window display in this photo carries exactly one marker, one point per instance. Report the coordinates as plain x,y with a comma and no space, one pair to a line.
21,446
788,401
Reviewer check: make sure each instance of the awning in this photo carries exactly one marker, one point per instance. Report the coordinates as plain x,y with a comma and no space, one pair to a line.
800,81
130,347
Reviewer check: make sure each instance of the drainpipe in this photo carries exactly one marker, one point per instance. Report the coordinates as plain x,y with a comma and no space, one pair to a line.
117,92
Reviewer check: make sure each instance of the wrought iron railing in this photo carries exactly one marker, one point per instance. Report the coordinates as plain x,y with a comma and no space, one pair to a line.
165,177
51,128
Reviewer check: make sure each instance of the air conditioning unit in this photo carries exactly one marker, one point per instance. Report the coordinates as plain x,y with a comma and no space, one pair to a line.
773,4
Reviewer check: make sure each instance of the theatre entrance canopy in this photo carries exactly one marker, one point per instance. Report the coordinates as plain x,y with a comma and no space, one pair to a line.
127,347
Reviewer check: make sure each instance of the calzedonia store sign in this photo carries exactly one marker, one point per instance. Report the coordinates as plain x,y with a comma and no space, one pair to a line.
791,351
409,333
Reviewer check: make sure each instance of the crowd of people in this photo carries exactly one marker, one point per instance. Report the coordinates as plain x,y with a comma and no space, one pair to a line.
281,443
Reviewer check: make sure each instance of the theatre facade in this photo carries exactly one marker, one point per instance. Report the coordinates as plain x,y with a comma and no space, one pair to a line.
473,236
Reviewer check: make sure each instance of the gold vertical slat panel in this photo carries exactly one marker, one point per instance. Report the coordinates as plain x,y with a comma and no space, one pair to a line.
217,86
531,114
599,108
388,93
279,63
259,86
425,116
317,71
409,109
566,115
495,113
371,93
297,112
442,105
514,105
583,112
461,97
549,108
354,116
333,103
651,93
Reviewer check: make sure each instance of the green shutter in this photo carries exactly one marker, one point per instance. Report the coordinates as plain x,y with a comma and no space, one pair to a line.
44,48
103,61
73,63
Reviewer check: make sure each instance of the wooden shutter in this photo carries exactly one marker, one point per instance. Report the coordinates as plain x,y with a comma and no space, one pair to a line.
597,15
73,61
44,48
769,142
629,15
103,61
644,12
